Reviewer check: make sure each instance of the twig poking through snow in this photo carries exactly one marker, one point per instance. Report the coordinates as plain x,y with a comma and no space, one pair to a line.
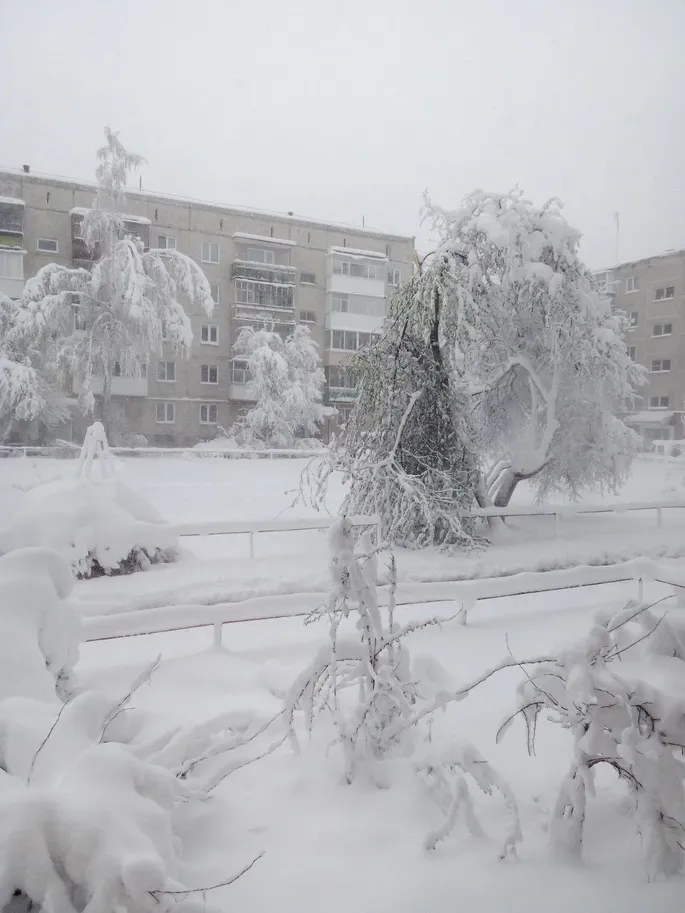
213,887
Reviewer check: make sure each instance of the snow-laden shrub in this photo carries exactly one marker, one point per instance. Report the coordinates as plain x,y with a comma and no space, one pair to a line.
100,525
375,692
88,803
621,693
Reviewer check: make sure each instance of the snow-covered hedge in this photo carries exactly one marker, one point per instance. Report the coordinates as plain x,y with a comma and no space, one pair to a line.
100,525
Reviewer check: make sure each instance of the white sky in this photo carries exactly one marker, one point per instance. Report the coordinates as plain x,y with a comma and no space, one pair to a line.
338,108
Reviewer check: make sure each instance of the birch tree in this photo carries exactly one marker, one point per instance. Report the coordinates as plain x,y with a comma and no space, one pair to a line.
118,312
548,364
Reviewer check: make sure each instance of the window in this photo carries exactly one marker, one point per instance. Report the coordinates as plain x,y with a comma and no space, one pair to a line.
349,340
308,278
340,378
661,294
632,284
11,265
166,242
394,277
662,329
631,353
358,270
79,322
659,402
261,255
660,365
210,252
264,294
214,288
210,334
208,413
239,372
209,374
166,413
47,246
166,370
77,228
117,369
633,319
307,316
342,303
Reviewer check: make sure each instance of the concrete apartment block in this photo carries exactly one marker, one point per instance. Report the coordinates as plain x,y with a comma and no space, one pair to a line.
262,267
652,293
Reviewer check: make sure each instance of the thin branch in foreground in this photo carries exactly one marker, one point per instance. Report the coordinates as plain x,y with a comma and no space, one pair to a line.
144,676
213,887
45,741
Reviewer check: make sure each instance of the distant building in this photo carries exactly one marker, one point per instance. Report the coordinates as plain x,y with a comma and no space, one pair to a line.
262,266
652,293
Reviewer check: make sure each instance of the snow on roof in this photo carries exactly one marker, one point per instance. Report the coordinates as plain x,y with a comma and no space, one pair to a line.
649,417
245,236
352,252
14,201
82,210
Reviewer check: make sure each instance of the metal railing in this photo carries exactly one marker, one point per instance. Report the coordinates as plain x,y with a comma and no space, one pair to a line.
66,451
466,593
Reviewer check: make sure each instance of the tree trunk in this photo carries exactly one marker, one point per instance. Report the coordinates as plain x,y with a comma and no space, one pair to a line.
511,480
106,403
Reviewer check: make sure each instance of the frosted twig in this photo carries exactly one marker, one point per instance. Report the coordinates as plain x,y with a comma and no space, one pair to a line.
221,884
45,740
144,676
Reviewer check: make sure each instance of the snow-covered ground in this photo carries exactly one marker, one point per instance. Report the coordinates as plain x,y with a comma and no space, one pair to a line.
217,568
340,847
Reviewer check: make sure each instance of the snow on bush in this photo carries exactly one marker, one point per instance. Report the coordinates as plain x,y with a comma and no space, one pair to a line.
374,692
88,802
621,693
100,525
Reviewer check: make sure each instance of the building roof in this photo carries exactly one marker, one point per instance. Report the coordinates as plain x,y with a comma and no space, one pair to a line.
673,252
153,195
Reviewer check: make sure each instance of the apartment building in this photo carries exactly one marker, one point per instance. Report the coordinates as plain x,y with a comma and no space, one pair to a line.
652,293
262,267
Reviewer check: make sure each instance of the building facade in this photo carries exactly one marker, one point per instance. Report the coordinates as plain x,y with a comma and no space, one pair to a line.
262,267
651,292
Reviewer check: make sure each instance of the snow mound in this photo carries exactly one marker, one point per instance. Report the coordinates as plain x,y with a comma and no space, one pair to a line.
39,629
100,527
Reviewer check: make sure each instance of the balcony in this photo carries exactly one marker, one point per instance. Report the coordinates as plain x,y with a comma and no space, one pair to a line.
262,272
249,294
342,394
11,222
240,392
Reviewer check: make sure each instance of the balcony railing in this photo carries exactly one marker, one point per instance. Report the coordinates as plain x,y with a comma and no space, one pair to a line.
275,275
342,394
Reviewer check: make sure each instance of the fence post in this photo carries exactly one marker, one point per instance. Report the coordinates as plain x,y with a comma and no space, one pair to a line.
557,524
252,544
659,517
641,589
218,629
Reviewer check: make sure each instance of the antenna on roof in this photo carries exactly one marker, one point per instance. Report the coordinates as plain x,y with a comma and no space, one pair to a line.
617,235
140,182
363,221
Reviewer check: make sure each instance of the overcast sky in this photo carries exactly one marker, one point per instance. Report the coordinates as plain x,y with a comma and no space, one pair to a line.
339,109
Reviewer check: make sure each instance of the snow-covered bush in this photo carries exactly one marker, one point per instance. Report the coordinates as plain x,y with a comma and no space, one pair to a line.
286,381
100,525
621,693
88,802
39,629
92,324
375,692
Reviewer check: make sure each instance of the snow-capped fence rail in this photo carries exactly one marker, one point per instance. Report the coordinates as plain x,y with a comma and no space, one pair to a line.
568,511
252,527
466,594
69,452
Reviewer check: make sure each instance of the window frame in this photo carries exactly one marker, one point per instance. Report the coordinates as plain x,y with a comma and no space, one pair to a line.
242,366
267,251
166,420
662,329
209,368
634,284
166,379
166,245
209,341
43,250
309,319
210,245
665,289
661,362
212,287
659,402
7,255
209,407
395,272
632,352
634,320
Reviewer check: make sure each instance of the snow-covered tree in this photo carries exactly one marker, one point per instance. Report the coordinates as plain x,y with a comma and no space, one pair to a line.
408,449
117,313
25,392
286,380
548,364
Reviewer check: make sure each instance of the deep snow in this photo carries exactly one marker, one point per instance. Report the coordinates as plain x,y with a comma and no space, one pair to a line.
357,847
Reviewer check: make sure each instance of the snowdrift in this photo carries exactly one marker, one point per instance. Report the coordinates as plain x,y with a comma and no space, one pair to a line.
100,527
